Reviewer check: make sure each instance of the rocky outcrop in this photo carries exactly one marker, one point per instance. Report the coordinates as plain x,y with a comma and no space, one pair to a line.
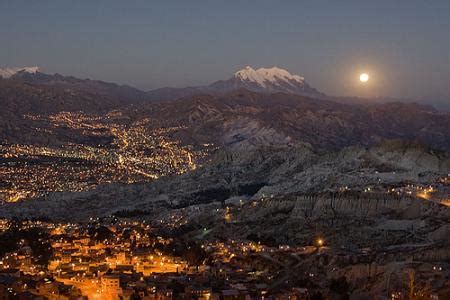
261,172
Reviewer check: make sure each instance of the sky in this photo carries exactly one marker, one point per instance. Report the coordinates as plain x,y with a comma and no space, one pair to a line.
403,45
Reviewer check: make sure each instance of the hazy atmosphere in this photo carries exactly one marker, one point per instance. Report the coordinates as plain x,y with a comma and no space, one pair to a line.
153,44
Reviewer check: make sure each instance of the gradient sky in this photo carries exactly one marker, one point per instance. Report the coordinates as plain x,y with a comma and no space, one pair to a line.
404,45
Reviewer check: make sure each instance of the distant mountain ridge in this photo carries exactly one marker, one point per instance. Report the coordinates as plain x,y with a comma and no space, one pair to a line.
262,80
124,93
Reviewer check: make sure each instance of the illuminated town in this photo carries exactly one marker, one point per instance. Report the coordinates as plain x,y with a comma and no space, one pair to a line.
132,154
117,257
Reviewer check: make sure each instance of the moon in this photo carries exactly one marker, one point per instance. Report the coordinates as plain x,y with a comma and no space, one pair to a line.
364,77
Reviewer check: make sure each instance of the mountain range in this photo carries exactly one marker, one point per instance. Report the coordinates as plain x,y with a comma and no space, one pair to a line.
265,80
263,106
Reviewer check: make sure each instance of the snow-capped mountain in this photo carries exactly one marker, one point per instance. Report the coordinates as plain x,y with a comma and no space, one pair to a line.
262,80
267,77
266,80
9,72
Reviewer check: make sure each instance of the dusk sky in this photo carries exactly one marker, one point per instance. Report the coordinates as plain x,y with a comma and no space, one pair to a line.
403,45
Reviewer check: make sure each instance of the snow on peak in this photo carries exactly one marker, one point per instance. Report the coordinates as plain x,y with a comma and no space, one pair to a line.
264,76
8,72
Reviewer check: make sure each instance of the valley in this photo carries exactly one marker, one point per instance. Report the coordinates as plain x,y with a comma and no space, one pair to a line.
248,187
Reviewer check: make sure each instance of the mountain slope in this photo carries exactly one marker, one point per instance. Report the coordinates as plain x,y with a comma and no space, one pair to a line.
27,91
249,118
19,98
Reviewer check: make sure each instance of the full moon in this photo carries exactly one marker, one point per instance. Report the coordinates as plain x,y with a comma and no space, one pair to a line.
364,77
